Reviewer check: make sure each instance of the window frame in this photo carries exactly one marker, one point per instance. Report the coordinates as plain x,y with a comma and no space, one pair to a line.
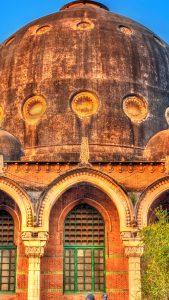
10,246
75,247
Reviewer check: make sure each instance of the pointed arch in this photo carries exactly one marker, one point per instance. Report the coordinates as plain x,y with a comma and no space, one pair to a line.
21,198
92,177
148,197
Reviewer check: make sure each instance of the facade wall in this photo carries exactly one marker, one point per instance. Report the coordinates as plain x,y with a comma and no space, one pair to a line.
27,200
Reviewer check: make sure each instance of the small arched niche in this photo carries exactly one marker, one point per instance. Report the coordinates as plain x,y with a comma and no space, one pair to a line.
161,202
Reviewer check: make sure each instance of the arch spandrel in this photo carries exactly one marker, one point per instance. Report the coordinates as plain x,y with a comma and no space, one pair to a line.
20,197
95,178
148,197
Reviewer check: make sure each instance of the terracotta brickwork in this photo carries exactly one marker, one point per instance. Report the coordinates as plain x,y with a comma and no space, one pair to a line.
52,261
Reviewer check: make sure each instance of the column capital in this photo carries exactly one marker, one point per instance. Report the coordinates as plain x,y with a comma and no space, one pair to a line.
132,242
34,243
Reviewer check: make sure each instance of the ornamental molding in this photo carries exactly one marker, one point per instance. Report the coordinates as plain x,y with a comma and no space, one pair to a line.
34,251
35,235
130,235
20,197
148,197
134,251
84,151
93,177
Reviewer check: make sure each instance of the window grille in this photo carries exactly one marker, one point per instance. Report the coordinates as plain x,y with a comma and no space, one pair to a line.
7,253
84,264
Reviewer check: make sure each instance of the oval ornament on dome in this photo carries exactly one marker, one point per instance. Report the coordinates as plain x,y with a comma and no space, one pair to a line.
34,108
136,108
126,30
42,29
85,104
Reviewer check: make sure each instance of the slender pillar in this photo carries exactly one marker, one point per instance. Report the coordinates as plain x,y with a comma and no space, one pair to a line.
134,255
34,278
133,250
34,250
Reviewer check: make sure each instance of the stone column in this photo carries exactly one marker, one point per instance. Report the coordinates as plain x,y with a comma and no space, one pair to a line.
134,254
133,250
34,248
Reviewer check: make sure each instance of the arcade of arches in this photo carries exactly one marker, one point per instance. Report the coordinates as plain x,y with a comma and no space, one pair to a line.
85,247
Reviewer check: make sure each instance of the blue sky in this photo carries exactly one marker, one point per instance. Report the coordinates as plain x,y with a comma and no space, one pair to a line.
153,14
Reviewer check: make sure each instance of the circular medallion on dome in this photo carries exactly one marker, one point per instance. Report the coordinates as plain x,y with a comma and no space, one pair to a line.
135,107
85,104
84,25
126,30
34,108
1,114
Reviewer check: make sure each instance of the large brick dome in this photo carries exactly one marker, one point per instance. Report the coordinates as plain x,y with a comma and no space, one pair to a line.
84,72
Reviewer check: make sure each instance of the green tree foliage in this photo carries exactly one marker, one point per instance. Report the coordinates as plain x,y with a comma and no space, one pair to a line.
155,261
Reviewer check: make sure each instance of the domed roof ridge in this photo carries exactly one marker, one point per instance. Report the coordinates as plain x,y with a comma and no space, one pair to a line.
82,3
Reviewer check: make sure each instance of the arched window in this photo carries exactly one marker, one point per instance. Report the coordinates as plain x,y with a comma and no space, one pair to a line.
84,261
7,253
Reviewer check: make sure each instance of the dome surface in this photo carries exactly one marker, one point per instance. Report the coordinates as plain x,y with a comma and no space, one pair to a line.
10,147
84,72
157,148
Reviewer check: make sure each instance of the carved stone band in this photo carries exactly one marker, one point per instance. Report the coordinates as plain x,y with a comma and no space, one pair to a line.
134,251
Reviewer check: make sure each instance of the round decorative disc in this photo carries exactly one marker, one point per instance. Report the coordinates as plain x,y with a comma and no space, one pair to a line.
34,108
85,104
136,108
